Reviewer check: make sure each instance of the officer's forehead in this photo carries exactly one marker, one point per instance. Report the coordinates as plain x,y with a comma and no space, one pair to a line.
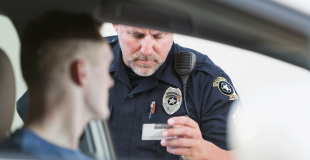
141,30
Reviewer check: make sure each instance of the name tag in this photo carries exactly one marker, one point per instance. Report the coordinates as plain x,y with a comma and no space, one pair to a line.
153,131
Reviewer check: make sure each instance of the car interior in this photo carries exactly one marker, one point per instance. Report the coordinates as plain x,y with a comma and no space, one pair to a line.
265,27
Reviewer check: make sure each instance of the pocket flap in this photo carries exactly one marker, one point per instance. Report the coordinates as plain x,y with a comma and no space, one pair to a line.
155,118
111,109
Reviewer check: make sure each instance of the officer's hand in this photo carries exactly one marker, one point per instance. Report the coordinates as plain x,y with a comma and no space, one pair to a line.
189,142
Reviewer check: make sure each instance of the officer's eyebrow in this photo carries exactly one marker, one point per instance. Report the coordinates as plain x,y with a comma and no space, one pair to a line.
135,32
159,33
138,34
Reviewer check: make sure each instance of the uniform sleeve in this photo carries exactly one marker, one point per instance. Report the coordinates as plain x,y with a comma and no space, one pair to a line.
219,95
22,105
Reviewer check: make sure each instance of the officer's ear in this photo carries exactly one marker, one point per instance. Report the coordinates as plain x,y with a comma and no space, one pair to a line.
115,27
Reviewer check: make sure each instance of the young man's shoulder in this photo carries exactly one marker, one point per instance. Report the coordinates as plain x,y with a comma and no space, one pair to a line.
11,143
11,147
25,142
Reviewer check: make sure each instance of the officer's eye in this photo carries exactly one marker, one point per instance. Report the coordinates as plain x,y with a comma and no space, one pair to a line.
158,36
138,36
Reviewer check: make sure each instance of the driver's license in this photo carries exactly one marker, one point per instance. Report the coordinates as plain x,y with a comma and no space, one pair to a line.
152,131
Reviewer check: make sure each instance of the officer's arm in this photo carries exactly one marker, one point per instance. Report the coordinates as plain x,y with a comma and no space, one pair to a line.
222,96
218,99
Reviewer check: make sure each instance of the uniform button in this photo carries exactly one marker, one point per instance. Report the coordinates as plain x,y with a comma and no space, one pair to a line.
124,128
113,39
130,96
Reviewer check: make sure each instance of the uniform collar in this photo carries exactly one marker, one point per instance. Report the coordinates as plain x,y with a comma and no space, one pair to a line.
117,67
113,41
165,72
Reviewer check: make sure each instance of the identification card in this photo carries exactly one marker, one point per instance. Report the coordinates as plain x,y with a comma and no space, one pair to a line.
152,131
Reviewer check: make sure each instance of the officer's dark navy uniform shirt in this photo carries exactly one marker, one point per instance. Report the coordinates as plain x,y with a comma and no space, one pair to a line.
130,106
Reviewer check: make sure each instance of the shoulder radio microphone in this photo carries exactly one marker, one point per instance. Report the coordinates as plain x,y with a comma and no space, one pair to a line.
184,66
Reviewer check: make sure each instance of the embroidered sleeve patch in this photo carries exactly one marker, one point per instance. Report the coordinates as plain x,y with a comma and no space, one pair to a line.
225,88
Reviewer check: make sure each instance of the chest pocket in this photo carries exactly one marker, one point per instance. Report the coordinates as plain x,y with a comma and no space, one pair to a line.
151,146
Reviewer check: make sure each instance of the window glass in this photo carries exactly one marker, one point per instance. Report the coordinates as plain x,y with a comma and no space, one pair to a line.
9,43
248,70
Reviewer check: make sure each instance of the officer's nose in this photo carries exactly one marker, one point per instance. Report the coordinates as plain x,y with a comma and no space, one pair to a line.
147,45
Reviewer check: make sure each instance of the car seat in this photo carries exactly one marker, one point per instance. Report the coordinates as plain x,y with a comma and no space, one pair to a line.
7,94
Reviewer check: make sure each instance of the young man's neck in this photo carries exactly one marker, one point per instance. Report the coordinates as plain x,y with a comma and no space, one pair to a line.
61,122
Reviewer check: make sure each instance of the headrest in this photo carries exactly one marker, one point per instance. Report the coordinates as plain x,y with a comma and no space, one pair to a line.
7,94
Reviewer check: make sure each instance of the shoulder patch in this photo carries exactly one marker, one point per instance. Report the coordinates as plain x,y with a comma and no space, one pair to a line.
225,88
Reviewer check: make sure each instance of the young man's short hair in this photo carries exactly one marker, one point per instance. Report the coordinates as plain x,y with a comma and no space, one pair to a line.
54,38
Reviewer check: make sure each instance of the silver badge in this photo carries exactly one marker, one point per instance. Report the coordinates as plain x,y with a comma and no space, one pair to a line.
172,100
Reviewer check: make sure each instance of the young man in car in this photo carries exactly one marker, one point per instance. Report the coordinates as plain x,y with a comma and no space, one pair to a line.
65,63
143,72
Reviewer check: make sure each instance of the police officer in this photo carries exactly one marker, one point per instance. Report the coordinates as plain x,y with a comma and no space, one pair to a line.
143,72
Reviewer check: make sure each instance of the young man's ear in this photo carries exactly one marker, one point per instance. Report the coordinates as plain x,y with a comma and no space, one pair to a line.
115,27
78,72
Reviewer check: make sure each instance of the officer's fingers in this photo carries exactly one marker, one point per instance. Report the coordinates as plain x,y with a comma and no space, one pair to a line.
182,131
182,120
179,142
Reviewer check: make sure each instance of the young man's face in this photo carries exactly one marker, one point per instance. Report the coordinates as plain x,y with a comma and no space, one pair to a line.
144,50
100,83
